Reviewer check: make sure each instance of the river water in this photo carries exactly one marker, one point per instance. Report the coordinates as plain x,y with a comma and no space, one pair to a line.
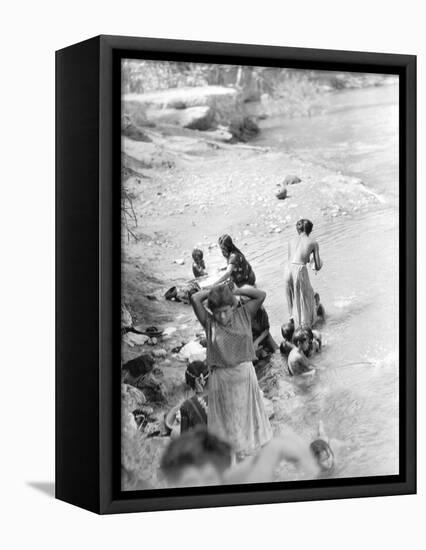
355,391
356,133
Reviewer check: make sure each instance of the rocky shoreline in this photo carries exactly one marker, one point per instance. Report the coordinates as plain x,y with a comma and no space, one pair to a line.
185,188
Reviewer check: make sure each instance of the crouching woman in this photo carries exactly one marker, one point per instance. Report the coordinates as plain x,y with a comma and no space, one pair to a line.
236,410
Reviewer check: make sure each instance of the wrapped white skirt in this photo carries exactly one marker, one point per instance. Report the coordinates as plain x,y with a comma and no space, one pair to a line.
236,409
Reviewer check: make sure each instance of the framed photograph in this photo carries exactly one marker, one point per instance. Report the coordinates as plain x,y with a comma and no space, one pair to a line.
236,274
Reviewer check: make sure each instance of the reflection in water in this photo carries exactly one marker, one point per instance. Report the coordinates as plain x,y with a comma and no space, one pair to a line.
356,395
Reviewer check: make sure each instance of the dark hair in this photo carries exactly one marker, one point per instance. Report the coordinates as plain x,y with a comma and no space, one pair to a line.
139,365
226,242
194,370
317,447
196,447
287,330
304,226
300,335
220,296
317,296
197,256
309,332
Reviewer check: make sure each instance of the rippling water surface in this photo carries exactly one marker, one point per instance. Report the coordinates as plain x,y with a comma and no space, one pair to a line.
358,403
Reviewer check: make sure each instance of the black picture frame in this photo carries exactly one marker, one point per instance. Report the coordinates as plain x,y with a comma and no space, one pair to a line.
88,274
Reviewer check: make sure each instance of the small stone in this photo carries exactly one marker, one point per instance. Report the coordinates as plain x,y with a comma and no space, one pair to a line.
291,180
168,332
282,194
159,353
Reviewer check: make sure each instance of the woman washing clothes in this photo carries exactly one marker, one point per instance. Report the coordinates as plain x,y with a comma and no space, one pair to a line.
236,410
238,270
300,294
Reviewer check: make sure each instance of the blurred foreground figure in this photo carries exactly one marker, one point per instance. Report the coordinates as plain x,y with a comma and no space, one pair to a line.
322,451
199,458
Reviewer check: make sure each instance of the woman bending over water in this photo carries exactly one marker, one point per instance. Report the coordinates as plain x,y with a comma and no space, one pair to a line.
299,291
238,270
236,410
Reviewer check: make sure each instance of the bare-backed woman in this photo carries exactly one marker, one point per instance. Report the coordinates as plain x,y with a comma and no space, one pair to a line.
299,292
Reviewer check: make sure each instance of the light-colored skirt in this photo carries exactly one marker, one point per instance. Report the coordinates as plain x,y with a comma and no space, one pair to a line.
236,410
300,296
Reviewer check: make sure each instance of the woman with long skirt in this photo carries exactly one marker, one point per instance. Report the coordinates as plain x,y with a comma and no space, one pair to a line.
236,410
299,292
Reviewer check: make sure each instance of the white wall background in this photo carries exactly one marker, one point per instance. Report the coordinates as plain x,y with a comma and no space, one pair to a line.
30,33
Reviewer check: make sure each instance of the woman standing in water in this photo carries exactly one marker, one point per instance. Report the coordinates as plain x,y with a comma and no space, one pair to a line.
236,410
299,291
238,270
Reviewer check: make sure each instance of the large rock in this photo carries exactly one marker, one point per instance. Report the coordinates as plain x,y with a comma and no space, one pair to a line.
153,388
126,318
182,98
131,398
199,108
194,118
243,128
135,132
139,366
197,118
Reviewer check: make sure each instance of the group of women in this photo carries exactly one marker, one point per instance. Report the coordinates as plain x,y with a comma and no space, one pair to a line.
236,411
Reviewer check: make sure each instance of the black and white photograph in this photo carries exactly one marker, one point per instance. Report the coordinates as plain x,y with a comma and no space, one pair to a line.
259,274
213,245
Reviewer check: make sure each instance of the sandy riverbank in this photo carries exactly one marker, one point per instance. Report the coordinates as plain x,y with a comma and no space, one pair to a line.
194,190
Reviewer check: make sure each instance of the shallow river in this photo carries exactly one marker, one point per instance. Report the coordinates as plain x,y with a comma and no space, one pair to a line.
356,133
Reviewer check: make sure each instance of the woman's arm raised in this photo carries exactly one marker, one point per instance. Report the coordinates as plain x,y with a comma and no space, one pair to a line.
257,297
197,301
